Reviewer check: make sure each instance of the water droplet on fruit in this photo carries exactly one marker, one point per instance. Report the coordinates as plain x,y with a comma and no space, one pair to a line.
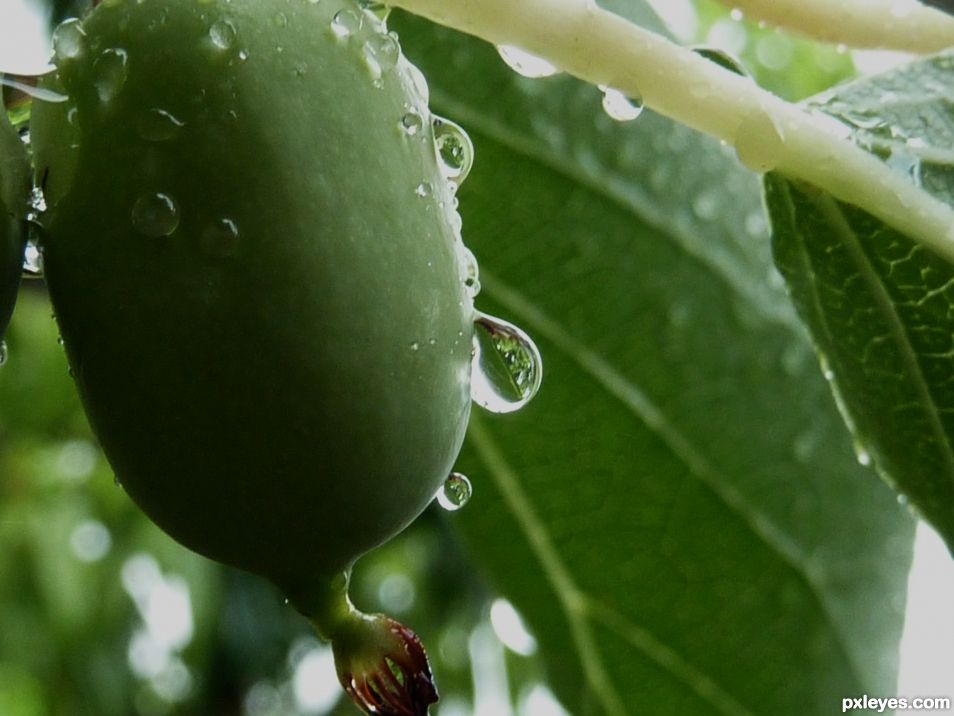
412,123
4,353
346,23
454,148
220,238
759,141
155,215
455,492
722,58
158,125
620,107
506,367
382,52
32,261
525,63
470,270
424,190
223,34
378,9
110,73
69,41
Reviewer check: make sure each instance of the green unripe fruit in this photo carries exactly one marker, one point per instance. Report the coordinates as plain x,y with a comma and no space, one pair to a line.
266,315
14,188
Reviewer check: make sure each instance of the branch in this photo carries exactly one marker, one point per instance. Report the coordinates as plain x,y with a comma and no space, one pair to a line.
904,25
767,133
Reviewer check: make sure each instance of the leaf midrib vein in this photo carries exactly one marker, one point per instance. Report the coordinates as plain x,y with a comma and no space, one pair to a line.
635,400
909,356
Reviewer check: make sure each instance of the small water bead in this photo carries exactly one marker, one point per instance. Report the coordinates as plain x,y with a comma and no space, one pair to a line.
346,23
507,369
454,148
4,353
382,53
69,40
424,190
412,123
158,125
32,261
525,63
36,204
110,73
470,271
620,107
220,238
155,215
223,34
455,492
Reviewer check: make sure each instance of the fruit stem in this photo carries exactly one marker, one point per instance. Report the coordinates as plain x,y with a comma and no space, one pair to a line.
381,664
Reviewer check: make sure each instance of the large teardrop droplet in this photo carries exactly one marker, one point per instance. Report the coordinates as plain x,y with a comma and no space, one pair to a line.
454,150
507,368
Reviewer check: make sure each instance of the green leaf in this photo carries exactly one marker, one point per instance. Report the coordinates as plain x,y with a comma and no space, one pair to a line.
678,514
879,306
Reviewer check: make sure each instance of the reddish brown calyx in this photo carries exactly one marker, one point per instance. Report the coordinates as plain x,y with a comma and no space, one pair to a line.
383,667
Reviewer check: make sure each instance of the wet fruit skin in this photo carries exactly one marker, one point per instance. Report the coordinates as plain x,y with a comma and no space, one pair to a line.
282,381
14,186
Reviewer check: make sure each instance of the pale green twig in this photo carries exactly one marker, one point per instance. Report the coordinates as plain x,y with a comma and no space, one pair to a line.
767,132
904,25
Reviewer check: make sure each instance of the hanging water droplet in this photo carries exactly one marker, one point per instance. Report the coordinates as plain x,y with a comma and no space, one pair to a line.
37,93
506,367
221,238
722,58
620,107
455,492
454,148
346,22
381,52
3,352
158,125
110,73
155,215
32,261
223,34
525,63
69,40
470,271
759,141
861,452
